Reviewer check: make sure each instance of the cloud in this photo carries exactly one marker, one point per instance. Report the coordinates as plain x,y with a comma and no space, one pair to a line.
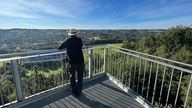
42,8
9,9
95,14
163,24
158,9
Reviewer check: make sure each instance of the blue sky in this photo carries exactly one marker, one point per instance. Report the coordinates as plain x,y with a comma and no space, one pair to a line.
95,14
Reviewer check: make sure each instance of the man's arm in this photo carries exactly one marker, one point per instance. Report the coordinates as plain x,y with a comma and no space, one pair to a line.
63,45
81,43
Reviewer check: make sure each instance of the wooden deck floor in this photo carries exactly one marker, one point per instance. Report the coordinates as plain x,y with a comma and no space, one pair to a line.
99,93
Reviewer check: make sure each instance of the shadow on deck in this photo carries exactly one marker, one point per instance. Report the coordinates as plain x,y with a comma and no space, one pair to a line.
98,93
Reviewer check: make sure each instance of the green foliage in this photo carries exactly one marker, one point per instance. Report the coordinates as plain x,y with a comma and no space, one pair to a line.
175,44
18,40
183,55
128,43
147,45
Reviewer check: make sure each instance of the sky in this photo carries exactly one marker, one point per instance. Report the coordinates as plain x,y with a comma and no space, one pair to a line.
95,14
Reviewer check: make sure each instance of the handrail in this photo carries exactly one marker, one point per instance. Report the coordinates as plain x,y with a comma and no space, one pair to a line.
37,55
158,62
181,63
27,53
54,60
35,52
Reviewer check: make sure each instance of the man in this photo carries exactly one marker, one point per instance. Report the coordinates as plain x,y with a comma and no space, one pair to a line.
74,45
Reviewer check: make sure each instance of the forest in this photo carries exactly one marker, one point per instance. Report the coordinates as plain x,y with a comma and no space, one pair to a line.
19,40
174,44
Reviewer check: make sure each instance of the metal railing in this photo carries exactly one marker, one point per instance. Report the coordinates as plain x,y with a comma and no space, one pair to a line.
28,76
161,82
157,58
157,80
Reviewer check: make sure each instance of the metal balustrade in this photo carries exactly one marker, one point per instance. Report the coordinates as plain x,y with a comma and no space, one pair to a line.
158,81
37,74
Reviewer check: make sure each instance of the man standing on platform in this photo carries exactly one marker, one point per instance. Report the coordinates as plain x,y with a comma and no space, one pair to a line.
74,45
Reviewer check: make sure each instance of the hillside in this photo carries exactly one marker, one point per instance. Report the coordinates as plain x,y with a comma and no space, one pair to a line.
14,37
174,44
17,40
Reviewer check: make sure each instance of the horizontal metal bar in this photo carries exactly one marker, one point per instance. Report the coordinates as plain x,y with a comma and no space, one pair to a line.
153,56
34,52
158,62
37,55
44,60
27,57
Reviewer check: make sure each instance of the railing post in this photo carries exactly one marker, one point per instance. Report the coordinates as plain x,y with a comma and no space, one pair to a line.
90,62
105,59
17,79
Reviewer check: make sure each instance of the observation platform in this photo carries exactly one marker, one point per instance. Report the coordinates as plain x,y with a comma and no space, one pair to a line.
99,92
114,77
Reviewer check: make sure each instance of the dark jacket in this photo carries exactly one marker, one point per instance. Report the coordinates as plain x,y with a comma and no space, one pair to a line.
73,46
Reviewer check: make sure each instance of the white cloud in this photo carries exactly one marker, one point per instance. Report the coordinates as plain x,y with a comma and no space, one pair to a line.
44,7
41,8
13,9
67,13
160,23
157,9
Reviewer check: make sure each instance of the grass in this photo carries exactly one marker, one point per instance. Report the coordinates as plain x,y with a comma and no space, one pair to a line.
98,49
117,44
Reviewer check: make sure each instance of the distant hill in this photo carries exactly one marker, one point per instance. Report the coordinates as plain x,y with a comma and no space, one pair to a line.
15,37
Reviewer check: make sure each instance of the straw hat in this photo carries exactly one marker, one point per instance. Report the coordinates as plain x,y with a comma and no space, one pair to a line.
72,32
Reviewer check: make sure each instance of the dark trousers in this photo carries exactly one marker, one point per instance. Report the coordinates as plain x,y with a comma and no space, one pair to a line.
76,86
